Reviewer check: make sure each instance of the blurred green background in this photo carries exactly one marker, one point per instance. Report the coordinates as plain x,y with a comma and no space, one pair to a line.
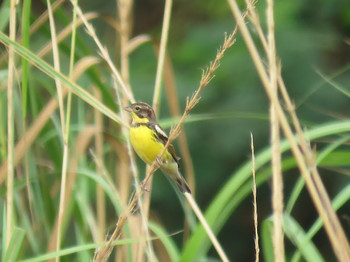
313,39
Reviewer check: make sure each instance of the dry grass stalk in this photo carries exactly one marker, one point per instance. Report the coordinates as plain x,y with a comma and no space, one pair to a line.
206,227
304,158
56,61
161,56
155,104
101,201
277,182
255,20
140,223
159,77
65,135
124,11
10,128
137,41
255,205
102,254
123,29
143,221
337,237
65,32
62,207
105,55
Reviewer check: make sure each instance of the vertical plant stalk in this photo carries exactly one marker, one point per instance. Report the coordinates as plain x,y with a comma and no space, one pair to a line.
255,205
162,51
25,73
66,121
60,92
277,182
101,201
158,85
124,10
10,127
140,229
143,222
160,69
56,62
306,165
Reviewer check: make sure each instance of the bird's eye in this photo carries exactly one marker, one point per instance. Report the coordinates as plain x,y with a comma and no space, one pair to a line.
137,108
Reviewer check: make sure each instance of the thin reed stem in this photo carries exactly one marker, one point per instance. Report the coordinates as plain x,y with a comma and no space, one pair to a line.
140,202
157,91
255,204
25,75
162,52
63,126
100,202
206,227
10,128
56,62
277,182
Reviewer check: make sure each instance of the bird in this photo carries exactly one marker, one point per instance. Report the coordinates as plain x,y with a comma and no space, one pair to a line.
148,139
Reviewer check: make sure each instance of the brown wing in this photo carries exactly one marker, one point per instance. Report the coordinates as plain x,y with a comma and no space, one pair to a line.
162,136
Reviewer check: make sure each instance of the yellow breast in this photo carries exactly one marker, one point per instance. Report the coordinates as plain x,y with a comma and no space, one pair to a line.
145,144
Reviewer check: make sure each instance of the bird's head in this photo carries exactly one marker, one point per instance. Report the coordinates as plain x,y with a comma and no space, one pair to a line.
141,113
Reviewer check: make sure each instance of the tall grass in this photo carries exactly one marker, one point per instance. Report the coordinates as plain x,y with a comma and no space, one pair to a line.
69,179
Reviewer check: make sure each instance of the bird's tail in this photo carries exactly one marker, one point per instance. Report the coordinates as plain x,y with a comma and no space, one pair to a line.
182,184
172,172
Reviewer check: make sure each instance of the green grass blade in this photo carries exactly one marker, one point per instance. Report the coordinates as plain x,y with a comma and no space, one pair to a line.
106,187
25,42
168,122
83,255
335,85
341,199
297,235
168,243
3,243
337,158
266,240
49,70
14,246
76,249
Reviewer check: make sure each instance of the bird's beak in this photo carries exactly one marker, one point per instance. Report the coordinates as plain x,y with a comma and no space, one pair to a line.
128,109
